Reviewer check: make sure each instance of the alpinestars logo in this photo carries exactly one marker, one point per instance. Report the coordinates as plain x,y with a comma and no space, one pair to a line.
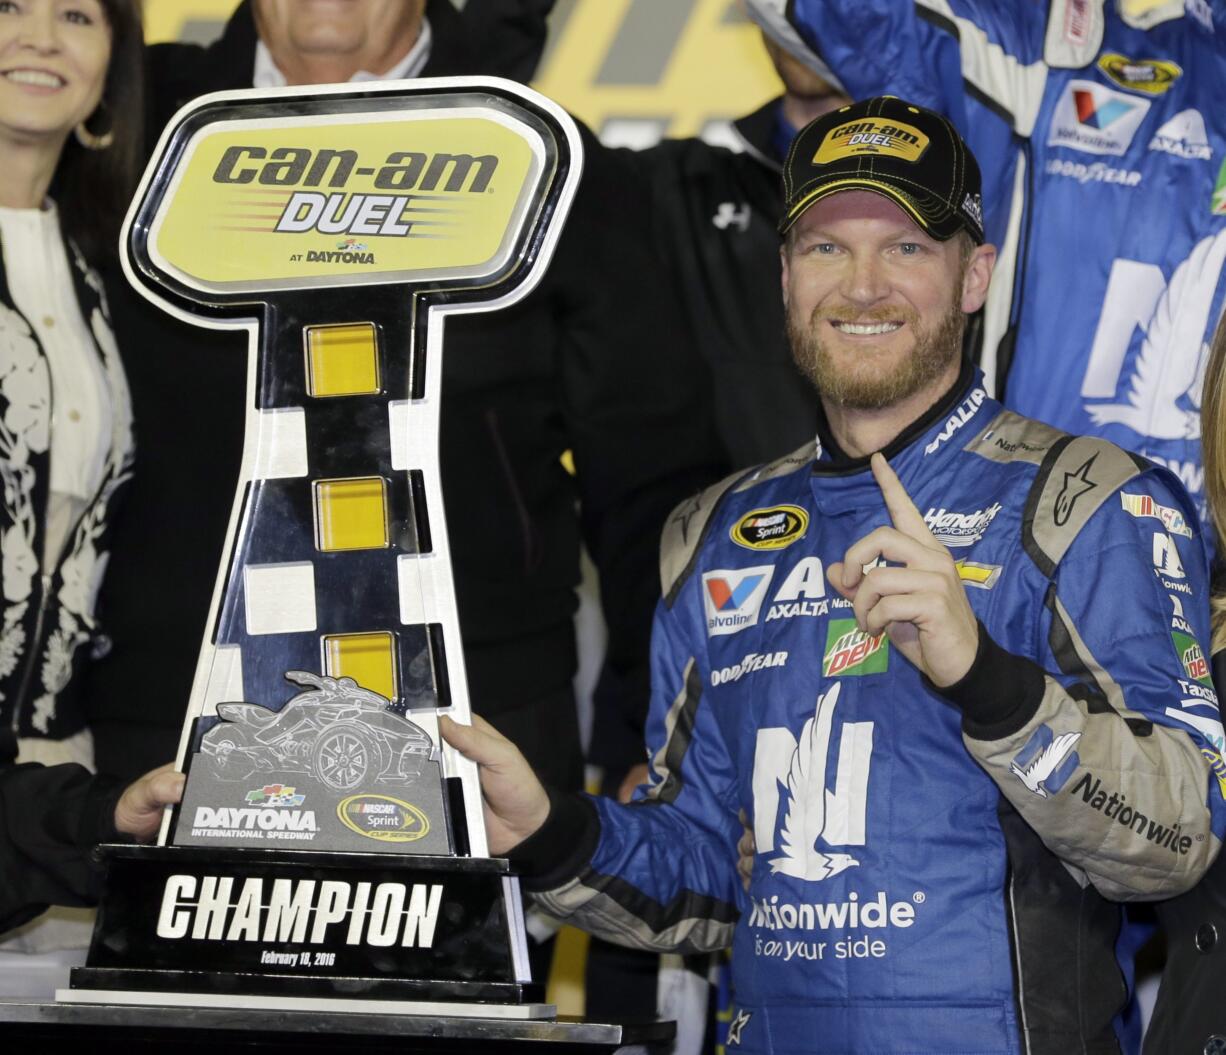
1047,761
733,598
815,813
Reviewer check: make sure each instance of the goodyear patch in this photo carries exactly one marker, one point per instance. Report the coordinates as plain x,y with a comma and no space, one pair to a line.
1192,656
872,136
1149,76
981,576
384,818
850,651
775,527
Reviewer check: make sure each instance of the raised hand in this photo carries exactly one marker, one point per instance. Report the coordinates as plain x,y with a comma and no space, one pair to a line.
920,603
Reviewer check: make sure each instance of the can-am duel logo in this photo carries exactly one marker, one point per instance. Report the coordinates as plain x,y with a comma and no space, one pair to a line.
412,200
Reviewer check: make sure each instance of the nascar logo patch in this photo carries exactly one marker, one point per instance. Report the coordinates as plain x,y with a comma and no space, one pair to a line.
776,527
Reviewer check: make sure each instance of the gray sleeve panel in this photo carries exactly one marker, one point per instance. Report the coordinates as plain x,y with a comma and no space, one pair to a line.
687,525
1132,814
1010,437
583,903
1077,475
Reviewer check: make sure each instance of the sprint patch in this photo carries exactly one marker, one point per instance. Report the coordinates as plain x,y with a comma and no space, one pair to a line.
776,527
1148,76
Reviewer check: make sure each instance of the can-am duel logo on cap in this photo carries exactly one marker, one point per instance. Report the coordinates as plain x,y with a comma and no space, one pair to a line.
733,598
774,528
872,136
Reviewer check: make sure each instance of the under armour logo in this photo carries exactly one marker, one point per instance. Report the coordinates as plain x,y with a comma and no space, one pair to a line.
729,215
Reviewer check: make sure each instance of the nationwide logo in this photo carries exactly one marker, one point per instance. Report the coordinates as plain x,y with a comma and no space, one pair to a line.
274,795
1166,557
302,911
776,527
960,529
872,136
1184,136
964,413
384,818
837,817
1095,119
1145,506
752,661
733,598
852,914
850,651
1150,76
1047,761
1192,656
1114,804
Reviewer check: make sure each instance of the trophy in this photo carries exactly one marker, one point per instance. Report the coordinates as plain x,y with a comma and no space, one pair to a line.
329,850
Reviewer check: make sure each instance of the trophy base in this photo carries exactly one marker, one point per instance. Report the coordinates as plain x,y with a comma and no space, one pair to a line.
340,1005
239,927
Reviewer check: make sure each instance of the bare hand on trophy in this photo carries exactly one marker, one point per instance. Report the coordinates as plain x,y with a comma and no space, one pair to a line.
921,605
516,803
138,812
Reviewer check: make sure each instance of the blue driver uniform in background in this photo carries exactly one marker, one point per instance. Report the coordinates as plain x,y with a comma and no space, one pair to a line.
1101,134
934,872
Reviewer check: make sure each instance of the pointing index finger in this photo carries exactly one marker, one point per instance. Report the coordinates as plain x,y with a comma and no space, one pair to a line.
903,512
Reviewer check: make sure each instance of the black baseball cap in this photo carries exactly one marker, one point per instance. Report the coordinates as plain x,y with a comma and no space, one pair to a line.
912,155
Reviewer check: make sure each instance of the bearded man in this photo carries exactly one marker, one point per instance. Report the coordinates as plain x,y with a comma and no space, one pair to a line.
962,736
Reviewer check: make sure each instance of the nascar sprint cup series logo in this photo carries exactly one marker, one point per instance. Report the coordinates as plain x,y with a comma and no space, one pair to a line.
360,197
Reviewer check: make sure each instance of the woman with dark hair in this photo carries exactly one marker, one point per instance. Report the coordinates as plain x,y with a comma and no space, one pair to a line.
70,85
1190,1015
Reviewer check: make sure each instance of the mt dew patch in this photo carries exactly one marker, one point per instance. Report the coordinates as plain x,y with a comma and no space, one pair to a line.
850,651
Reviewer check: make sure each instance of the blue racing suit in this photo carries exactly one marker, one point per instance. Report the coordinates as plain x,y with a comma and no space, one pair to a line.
1100,129
935,871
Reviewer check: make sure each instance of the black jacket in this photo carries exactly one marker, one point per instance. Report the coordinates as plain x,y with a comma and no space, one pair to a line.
1191,1007
714,221
51,817
595,362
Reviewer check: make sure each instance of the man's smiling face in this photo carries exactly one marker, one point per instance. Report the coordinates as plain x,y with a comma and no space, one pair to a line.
875,306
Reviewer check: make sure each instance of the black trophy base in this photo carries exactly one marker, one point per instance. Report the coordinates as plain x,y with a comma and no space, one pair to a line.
355,1003
243,928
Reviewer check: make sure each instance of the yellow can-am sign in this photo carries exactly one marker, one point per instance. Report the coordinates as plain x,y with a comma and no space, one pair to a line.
347,198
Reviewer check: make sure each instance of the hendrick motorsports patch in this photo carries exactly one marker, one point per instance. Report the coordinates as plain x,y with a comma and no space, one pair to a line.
774,528
384,818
